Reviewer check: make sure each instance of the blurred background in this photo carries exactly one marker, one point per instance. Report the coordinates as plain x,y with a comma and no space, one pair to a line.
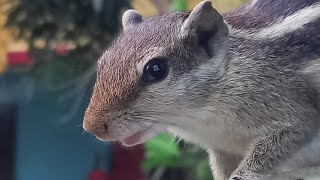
48,51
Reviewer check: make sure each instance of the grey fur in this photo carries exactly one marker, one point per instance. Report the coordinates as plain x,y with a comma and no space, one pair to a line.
253,103
131,18
264,13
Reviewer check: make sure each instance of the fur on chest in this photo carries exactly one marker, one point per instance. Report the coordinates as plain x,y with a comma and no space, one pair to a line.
212,132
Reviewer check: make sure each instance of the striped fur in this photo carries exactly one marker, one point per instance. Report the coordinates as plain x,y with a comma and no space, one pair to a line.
288,28
286,33
249,93
263,13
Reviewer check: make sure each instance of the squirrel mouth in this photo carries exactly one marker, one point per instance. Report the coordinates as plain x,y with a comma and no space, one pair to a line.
139,137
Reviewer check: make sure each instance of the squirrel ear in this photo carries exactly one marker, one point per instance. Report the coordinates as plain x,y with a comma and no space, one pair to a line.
205,23
202,18
130,18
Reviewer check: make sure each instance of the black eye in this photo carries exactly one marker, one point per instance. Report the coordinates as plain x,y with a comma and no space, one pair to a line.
155,70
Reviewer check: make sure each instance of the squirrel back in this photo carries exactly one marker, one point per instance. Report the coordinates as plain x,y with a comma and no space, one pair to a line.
286,30
257,14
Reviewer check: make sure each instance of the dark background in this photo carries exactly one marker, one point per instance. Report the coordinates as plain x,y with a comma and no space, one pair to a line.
7,141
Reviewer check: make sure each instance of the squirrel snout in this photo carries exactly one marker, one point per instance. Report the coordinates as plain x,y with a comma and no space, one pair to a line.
94,126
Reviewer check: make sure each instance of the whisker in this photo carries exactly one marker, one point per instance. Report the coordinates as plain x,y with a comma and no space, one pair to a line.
144,126
153,120
155,112
79,125
140,119
162,112
138,123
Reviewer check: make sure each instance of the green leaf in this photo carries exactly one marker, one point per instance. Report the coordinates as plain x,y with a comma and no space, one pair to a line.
164,144
162,151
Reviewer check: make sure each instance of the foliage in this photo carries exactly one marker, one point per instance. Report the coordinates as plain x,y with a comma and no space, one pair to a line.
163,153
85,27
65,39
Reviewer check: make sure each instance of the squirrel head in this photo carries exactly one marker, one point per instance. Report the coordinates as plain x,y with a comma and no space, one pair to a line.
156,72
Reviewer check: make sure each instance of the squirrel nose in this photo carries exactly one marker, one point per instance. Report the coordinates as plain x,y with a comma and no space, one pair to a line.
94,127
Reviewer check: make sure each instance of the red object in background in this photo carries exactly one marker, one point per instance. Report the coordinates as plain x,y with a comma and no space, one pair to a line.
18,58
126,163
62,51
98,174
23,57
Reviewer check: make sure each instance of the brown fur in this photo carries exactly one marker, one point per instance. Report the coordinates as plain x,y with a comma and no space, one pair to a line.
248,99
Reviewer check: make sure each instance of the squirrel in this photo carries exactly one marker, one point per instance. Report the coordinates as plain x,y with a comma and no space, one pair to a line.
244,85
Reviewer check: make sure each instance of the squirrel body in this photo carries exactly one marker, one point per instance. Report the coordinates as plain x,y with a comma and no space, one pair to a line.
244,85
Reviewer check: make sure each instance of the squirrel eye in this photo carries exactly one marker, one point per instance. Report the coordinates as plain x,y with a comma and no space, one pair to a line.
155,70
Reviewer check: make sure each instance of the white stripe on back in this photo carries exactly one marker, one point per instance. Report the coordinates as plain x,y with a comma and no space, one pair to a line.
284,26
